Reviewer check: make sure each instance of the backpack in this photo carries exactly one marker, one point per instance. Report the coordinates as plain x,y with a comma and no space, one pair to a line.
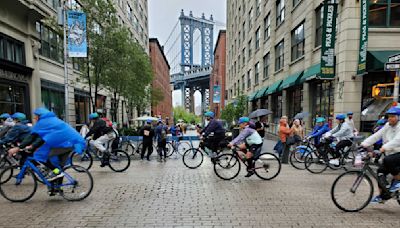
163,133
108,122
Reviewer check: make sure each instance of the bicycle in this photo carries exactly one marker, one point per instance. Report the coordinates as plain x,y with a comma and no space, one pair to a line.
194,157
298,155
19,184
178,147
358,182
118,160
267,166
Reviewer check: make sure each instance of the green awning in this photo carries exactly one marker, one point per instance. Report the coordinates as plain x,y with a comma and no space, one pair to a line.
376,59
261,92
274,87
292,80
310,73
252,96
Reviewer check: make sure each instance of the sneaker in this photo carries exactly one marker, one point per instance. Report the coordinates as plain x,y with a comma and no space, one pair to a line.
395,186
249,174
52,177
334,162
376,200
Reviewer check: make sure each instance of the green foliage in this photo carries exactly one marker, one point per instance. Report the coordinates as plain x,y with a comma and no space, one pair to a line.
233,111
180,113
156,96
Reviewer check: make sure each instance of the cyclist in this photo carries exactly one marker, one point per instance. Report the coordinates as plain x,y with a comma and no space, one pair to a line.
161,136
343,132
390,134
102,134
6,123
147,132
379,125
249,141
213,133
19,131
320,129
350,121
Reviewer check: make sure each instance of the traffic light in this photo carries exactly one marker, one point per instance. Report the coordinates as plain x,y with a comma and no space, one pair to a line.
383,91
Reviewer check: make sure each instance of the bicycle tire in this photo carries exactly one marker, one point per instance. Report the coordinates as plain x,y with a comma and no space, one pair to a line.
183,147
297,159
115,157
13,187
4,163
128,148
73,171
313,163
191,155
170,149
353,182
224,163
268,160
85,160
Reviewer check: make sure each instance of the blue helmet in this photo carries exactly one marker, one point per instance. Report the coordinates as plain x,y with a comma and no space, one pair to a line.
209,114
381,122
94,115
340,116
320,120
149,121
244,119
19,116
393,111
350,113
5,116
40,111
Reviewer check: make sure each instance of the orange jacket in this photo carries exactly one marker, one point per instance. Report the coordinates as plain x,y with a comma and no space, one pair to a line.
284,131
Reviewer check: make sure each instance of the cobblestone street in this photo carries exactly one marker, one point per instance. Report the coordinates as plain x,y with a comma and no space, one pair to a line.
153,194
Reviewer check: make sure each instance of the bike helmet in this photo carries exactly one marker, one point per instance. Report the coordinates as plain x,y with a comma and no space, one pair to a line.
94,115
19,116
393,111
350,113
381,122
149,121
320,120
40,111
340,116
5,116
244,119
209,114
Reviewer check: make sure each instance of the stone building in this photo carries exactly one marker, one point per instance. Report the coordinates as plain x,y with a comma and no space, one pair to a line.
274,56
217,78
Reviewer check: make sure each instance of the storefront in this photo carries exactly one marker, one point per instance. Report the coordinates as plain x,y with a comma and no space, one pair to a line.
53,97
82,107
322,99
295,97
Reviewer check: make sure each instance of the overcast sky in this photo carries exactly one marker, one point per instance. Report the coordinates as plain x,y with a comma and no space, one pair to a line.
163,15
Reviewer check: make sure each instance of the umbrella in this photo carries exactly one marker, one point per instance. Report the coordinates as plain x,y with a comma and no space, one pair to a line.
259,112
144,118
301,115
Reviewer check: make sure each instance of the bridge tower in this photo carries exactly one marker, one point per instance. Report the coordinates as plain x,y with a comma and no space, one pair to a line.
189,25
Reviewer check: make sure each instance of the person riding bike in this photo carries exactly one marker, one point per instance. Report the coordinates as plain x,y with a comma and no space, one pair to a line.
390,134
343,132
250,141
213,133
320,128
19,131
102,134
379,125
6,124
48,136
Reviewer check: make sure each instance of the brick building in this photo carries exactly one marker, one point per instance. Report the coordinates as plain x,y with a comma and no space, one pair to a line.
161,79
217,80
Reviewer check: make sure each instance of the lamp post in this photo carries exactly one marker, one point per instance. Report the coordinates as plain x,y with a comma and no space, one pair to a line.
66,84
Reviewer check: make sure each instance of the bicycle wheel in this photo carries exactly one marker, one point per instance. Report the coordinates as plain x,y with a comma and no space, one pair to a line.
17,190
315,163
352,191
9,174
297,159
119,161
128,148
183,147
226,166
77,183
85,160
192,158
4,163
267,166
139,148
347,160
170,149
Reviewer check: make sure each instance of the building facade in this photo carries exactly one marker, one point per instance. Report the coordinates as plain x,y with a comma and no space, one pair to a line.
217,78
32,61
274,56
161,80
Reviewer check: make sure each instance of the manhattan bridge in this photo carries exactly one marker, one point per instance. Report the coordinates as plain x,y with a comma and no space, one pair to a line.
190,52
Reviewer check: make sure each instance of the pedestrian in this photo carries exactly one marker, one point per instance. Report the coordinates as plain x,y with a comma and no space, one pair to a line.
297,131
260,126
147,132
161,136
284,133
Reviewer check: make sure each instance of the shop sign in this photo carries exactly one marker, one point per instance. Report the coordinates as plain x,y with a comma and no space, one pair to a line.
328,40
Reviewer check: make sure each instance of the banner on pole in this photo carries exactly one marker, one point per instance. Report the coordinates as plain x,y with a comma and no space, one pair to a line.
362,55
328,41
217,94
77,42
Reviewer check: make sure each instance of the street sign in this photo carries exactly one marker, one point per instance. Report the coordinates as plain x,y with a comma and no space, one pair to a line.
392,66
394,58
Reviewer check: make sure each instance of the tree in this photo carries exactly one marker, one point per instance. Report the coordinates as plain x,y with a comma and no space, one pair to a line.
180,113
233,111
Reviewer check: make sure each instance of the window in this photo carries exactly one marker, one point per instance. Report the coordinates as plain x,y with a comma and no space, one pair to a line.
280,12
244,56
234,90
319,15
250,18
250,51
238,61
384,13
53,97
12,50
267,27
258,7
243,84
266,66
51,43
239,36
296,2
244,31
279,55
54,3
257,43
74,5
14,97
81,106
256,73
129,12
249,79
298,42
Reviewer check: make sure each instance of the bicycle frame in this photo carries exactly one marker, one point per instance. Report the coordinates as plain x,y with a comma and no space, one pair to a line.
365,171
